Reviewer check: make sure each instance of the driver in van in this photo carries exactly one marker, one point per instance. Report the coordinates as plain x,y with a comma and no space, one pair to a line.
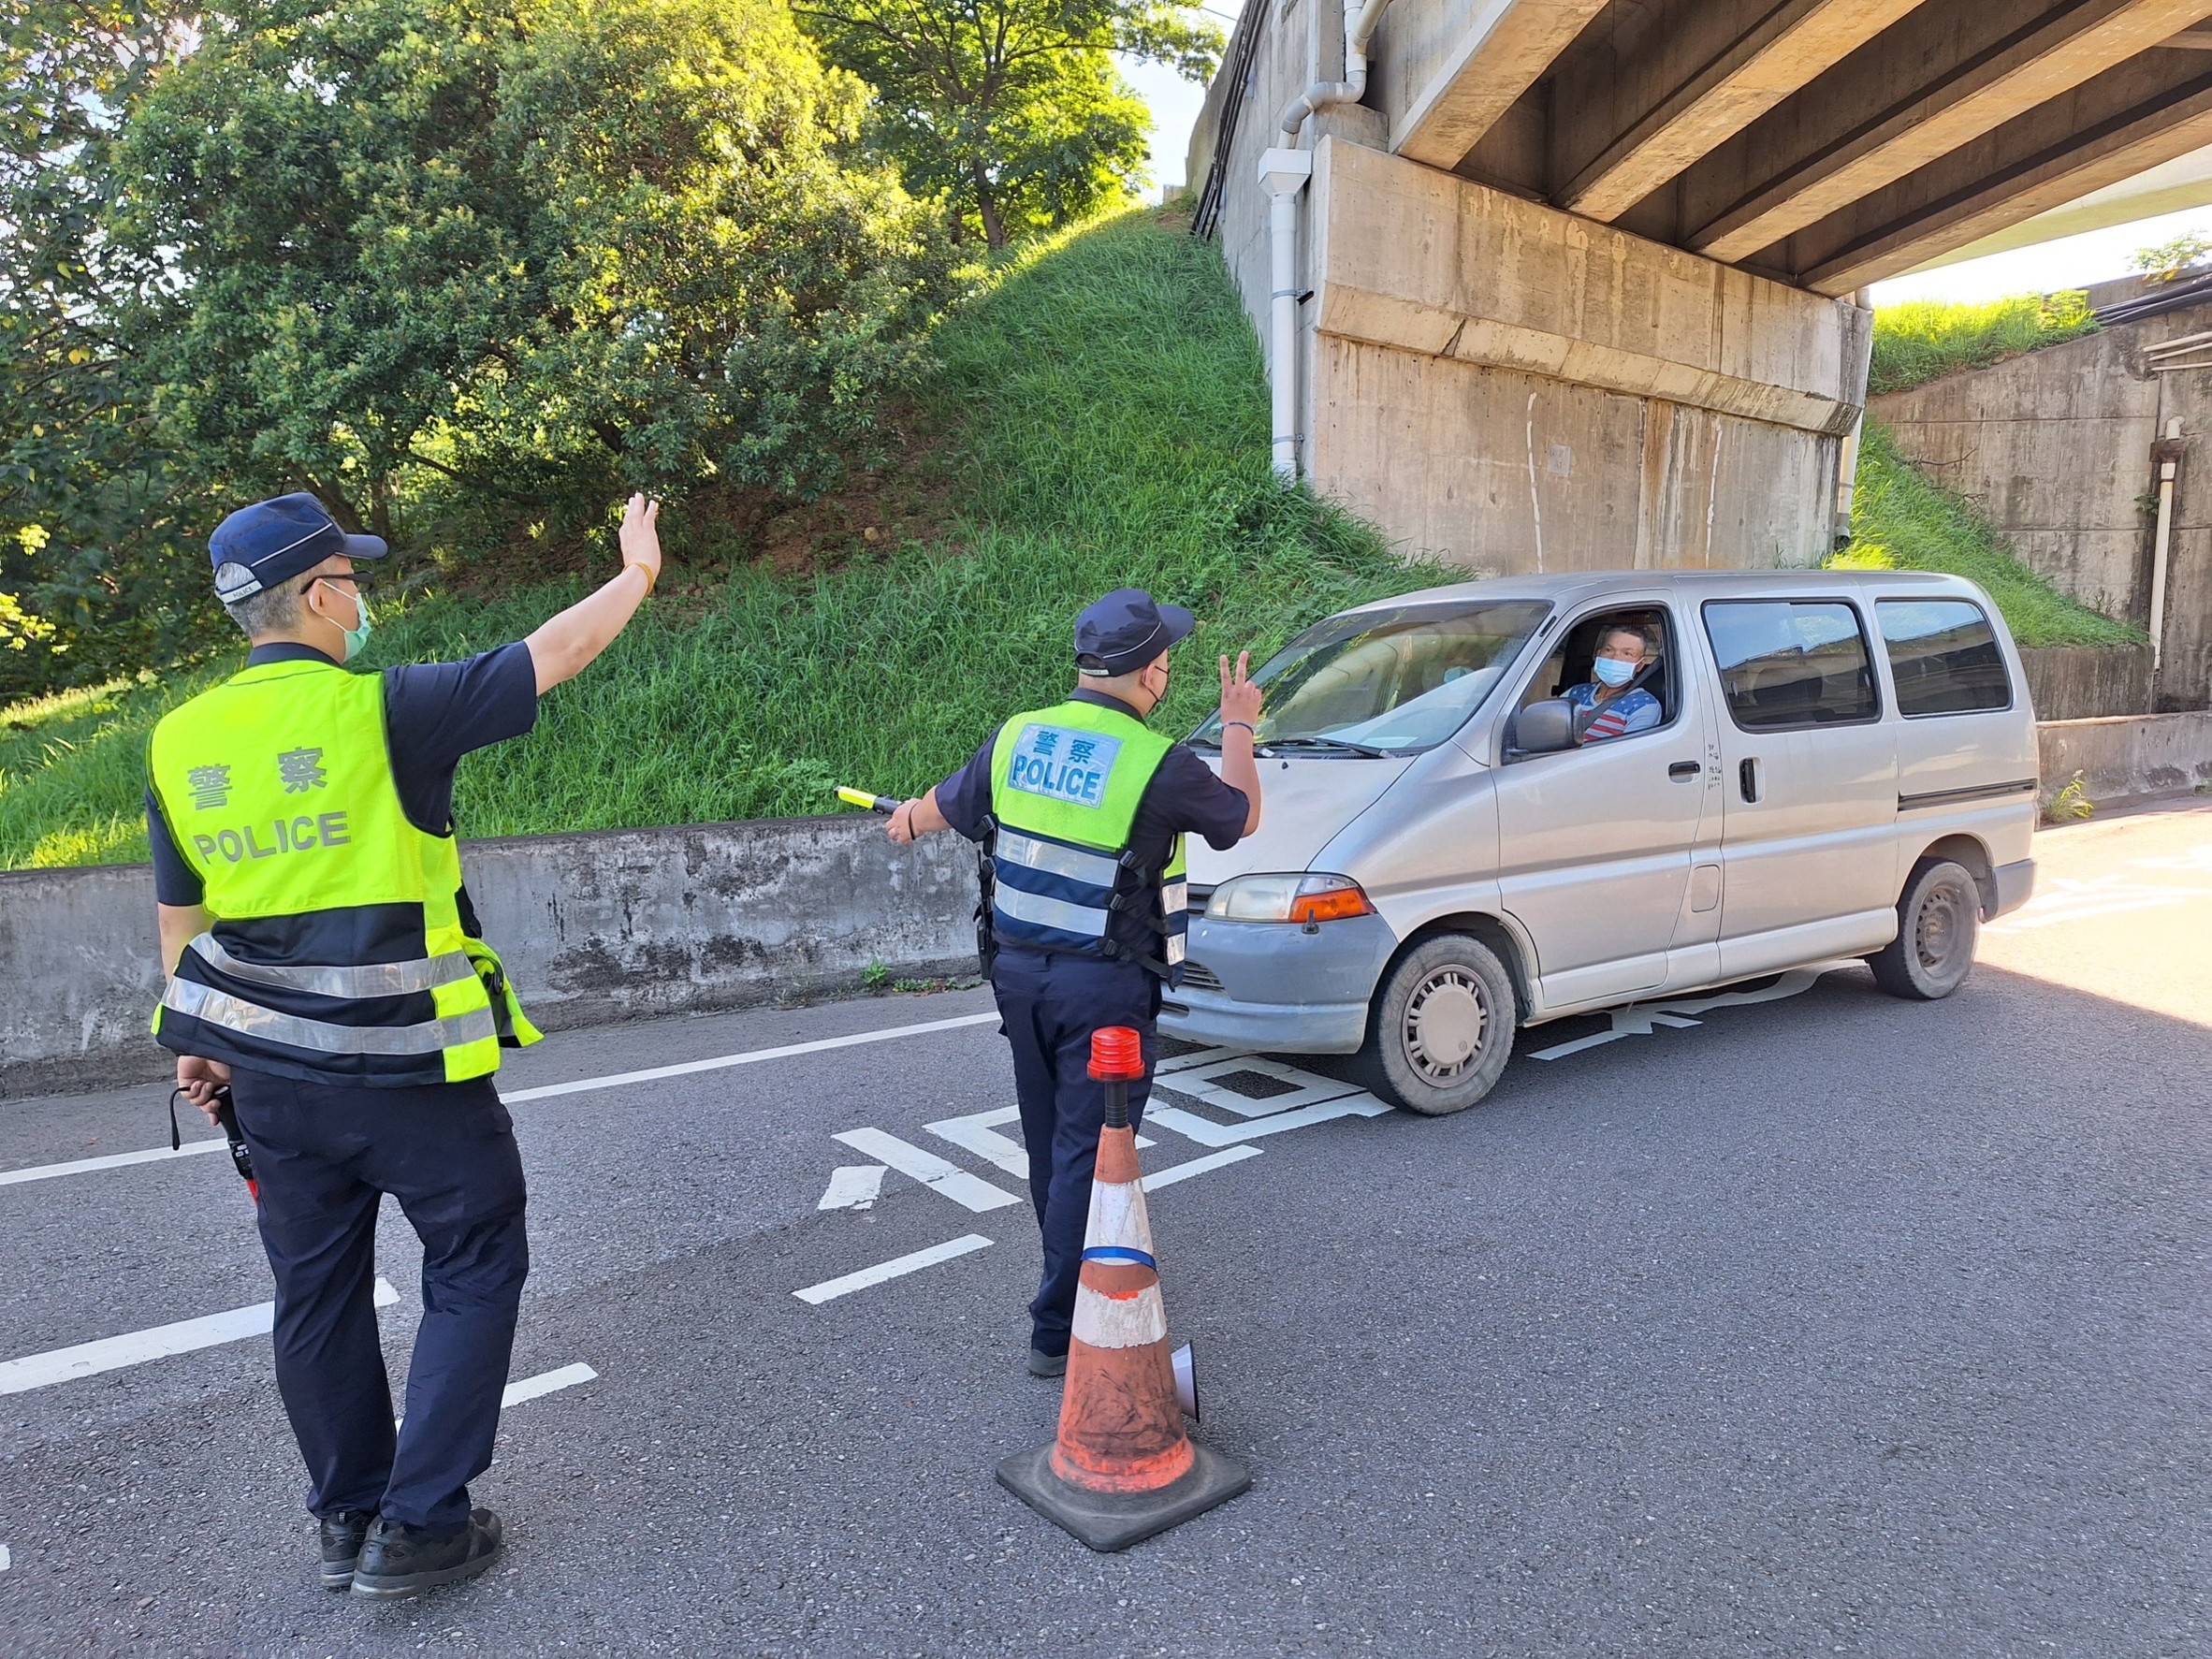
1622,652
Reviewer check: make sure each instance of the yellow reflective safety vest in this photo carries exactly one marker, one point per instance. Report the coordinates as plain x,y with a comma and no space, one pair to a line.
343,948
1066,783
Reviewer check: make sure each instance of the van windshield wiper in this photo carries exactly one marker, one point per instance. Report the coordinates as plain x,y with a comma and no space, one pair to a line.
1365,751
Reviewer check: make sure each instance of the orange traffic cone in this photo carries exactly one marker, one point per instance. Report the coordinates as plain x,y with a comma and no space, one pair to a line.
1123,1467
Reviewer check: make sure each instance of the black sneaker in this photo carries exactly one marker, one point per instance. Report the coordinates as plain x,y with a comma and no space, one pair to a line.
1044,1364
407,1561
341,1534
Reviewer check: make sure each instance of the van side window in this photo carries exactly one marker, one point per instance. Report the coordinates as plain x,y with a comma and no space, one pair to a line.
1944,656
1791,664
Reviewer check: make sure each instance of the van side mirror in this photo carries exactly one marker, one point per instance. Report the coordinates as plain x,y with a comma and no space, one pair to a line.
1545,727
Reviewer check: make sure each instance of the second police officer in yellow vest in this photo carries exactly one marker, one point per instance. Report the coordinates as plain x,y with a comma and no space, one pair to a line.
326,967
1088,809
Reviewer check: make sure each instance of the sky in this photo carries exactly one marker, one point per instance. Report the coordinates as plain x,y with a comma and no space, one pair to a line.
2072,262
1174,103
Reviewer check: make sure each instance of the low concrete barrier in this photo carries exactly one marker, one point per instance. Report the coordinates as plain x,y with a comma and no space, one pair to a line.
2140,755
593,927
2088,682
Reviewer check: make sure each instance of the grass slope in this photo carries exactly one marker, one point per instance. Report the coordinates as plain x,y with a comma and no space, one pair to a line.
1926,340
1901,520
1108,416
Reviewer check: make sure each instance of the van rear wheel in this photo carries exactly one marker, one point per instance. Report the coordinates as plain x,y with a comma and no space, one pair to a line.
1441,1029
1939,920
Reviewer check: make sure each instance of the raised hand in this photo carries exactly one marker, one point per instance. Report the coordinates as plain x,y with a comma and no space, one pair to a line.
641,536
1239,698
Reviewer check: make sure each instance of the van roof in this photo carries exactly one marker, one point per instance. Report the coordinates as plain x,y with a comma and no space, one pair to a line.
1572,587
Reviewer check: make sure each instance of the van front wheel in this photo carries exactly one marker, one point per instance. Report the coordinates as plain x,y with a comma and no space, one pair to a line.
1938,921
1441,1029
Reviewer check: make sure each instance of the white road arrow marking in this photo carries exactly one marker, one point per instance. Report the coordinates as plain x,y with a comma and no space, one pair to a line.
930,1170
1192,1126
1639,1019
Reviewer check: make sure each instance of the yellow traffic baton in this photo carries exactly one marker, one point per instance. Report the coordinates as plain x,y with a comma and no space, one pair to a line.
859,797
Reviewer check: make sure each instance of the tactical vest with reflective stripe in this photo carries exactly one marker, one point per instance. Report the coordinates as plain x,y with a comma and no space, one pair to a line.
343,947
1065,786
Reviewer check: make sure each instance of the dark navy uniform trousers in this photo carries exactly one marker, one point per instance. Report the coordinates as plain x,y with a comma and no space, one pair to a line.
1049,1004
326,1157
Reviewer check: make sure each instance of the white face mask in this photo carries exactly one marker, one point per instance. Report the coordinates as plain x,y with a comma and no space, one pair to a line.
1612,672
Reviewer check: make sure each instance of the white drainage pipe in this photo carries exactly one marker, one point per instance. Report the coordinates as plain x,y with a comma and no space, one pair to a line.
1282,173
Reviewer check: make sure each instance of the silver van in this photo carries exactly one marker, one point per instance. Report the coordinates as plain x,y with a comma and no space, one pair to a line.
1464,833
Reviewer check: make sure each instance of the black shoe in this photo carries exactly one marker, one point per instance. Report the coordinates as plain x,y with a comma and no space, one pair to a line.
407,1561
1044,1364
341,1535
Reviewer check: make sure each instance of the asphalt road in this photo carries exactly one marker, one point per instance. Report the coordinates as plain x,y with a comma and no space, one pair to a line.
1809,1323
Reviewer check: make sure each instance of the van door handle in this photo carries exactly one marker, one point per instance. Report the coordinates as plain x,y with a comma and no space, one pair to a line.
1682,771
1747,777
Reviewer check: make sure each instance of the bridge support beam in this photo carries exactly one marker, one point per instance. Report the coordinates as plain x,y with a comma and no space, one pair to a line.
1514,388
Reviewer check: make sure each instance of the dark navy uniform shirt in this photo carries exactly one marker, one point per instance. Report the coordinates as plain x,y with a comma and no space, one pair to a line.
1183,798
433,714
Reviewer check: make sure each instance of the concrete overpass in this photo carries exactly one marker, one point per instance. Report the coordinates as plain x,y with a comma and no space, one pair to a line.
1560,283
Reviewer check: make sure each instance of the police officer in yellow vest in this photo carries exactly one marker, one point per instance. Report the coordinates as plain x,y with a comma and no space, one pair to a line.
1088,810
326,967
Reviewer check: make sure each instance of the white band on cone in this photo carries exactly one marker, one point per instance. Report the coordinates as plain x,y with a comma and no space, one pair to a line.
1120,1321
1118,1216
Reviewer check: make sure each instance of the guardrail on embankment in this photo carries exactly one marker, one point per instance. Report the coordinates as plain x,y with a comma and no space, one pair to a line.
593,927
2129,756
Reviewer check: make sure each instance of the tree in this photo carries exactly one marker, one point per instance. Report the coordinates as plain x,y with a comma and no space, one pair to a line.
1011,109
469,267
2168,261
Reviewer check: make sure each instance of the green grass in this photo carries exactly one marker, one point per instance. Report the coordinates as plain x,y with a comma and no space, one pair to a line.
1108,416
1901,520
1926,340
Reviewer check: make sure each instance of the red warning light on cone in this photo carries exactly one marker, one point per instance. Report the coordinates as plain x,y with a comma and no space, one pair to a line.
1117,1055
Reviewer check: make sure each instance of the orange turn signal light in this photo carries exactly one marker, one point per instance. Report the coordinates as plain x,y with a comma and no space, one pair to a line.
1332,906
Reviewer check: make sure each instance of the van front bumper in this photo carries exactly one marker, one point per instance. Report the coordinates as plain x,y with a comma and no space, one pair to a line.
1278,986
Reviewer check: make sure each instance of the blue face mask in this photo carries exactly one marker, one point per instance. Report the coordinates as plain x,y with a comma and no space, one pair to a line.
1611,671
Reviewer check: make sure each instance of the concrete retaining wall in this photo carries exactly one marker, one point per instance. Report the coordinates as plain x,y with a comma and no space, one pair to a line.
2150,754
2088,682
593,927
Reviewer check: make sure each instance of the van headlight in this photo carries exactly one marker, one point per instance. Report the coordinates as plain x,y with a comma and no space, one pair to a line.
1287,898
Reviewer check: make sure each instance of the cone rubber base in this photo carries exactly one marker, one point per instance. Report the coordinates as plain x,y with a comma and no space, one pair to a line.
1114,1520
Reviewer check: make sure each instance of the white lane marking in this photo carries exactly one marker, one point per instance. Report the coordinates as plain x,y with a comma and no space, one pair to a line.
614,1080
1202,1083
6,1560
113,1161
853,1187
1192,1126
113,1353
1641,1019
897,1267
546,1382
752,1056
529,1388
2071,899
927,1167
1197,1166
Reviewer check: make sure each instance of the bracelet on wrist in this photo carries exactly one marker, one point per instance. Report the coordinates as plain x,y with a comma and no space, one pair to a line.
652,577
1246,725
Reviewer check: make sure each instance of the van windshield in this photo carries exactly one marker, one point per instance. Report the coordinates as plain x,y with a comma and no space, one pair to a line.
1387,681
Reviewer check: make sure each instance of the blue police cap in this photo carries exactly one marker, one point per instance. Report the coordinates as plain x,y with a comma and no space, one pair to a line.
1126,630
258,546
